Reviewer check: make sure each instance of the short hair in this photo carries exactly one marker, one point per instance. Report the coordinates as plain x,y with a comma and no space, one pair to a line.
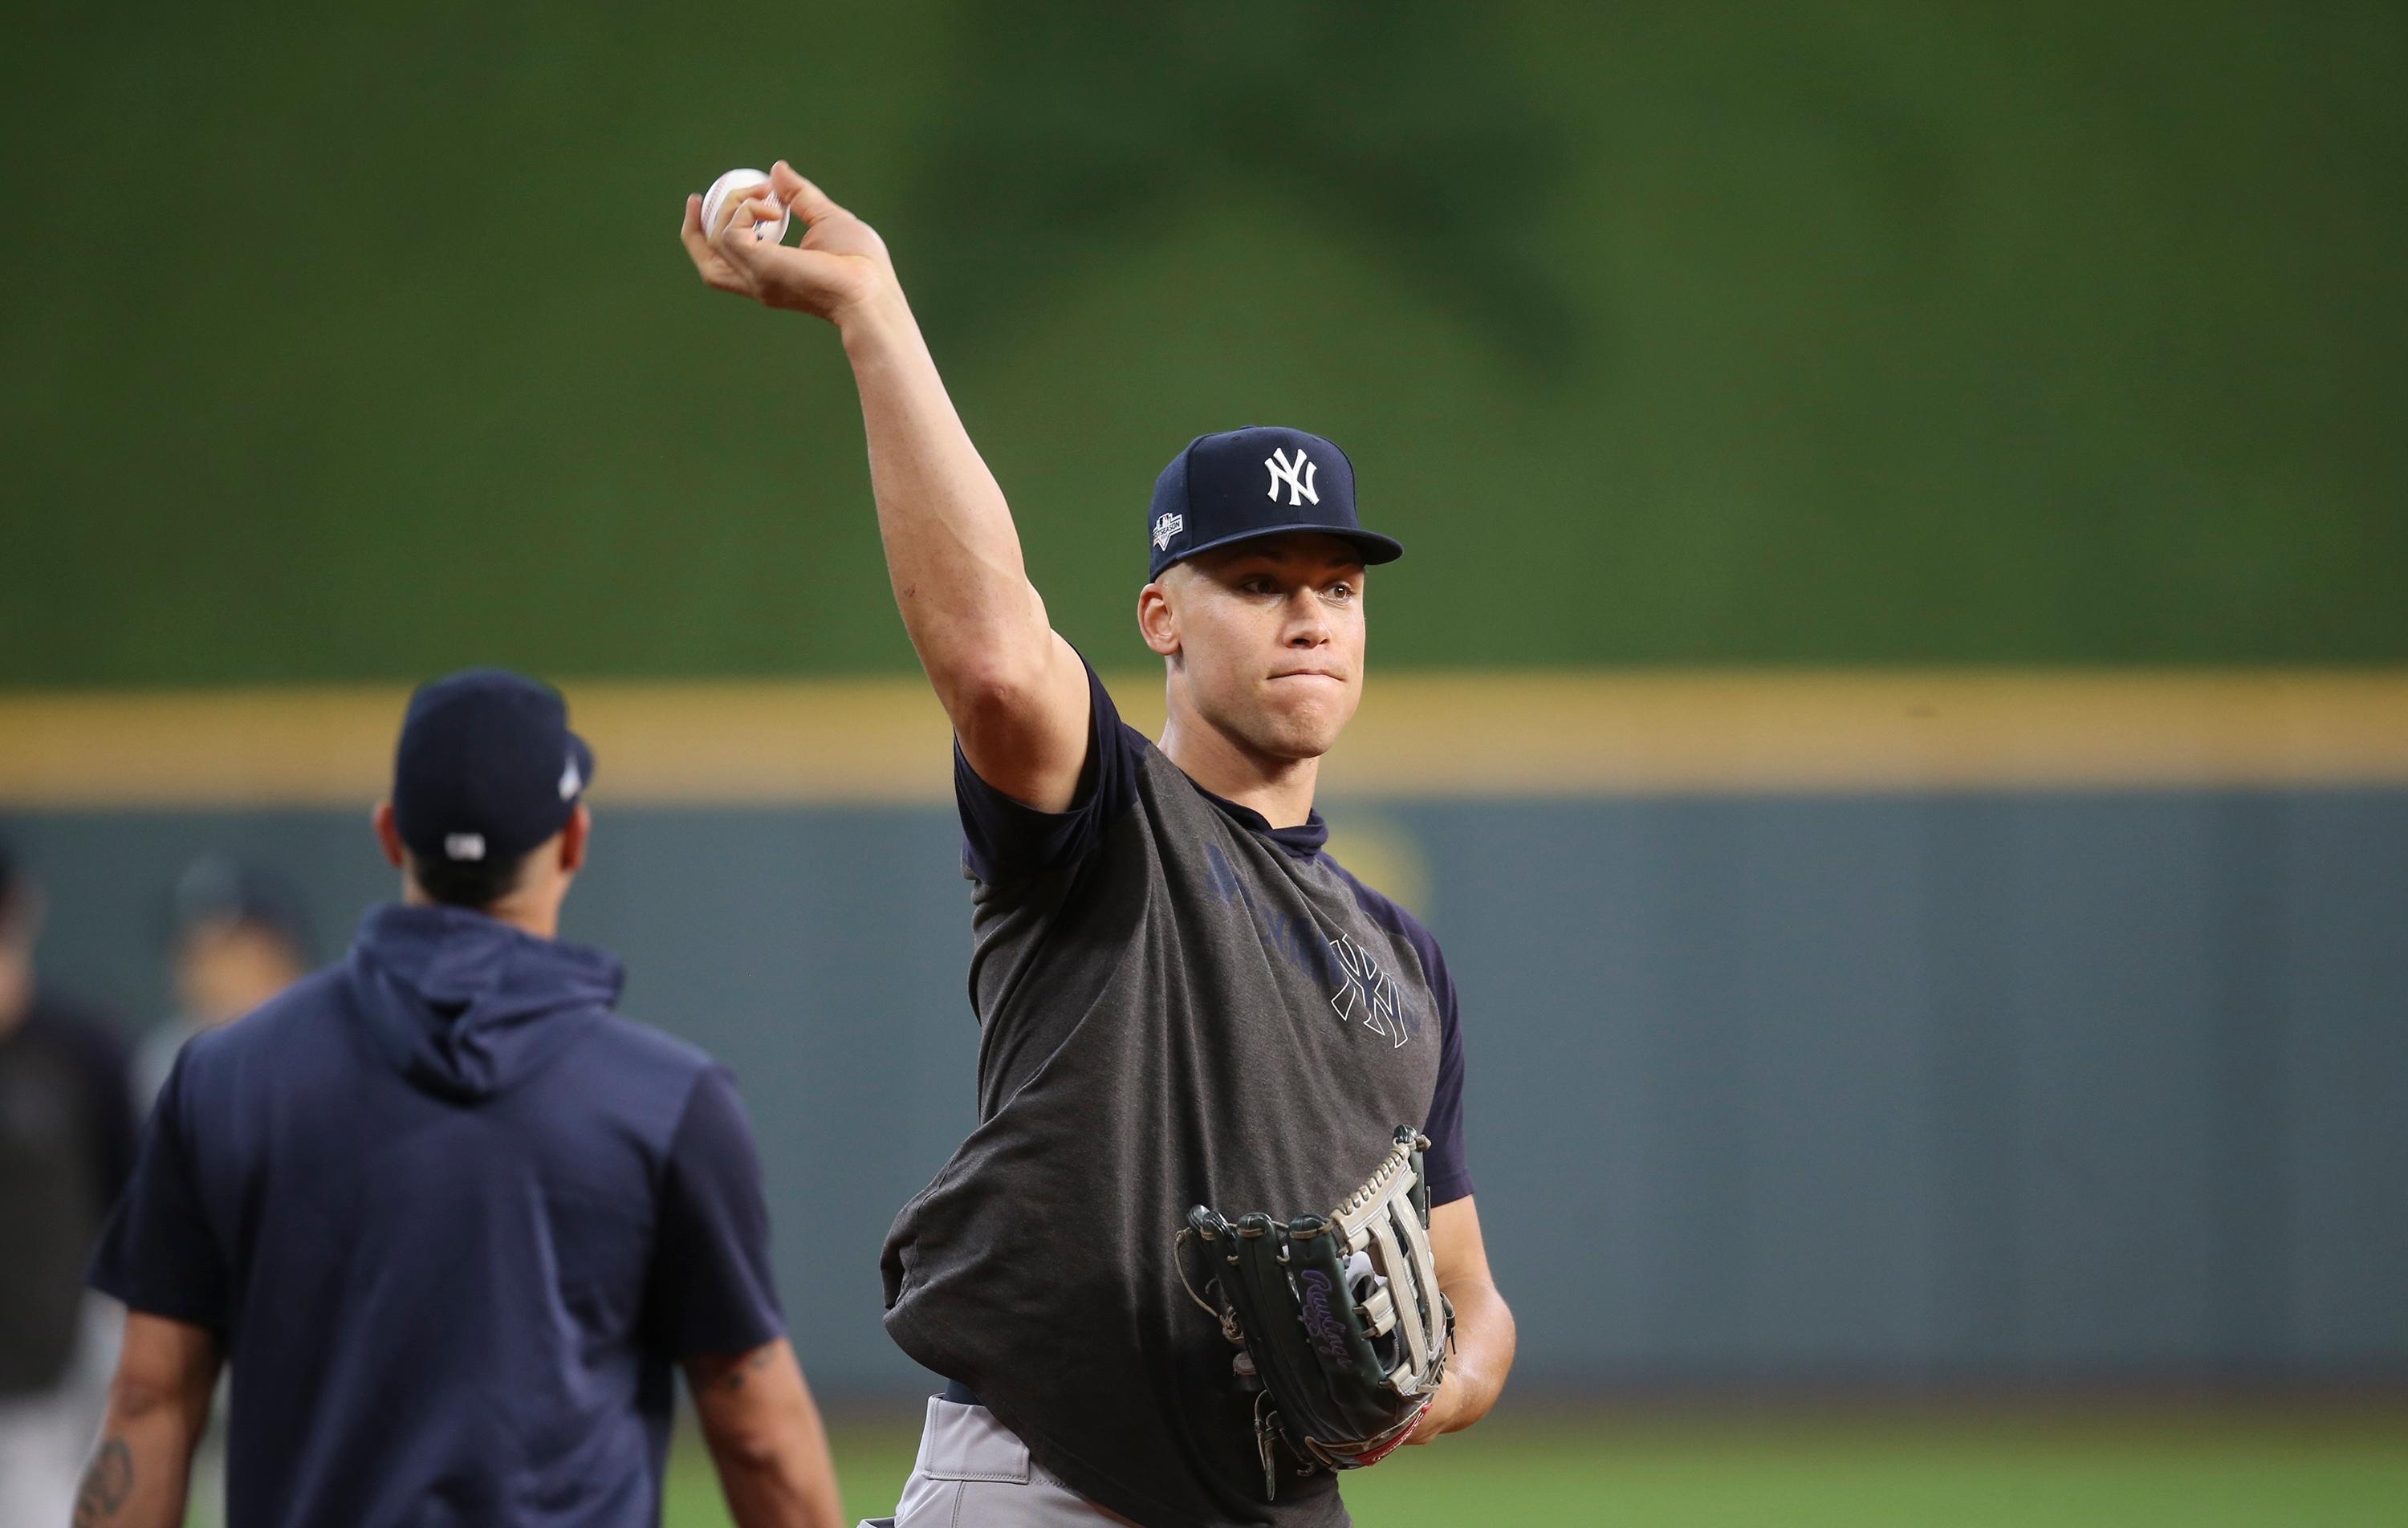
473,884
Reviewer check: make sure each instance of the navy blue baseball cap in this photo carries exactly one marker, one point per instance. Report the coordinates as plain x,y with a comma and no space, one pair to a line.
216,891
487,768
1261,480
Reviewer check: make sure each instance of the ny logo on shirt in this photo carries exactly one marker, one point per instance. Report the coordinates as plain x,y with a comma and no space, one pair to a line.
1366,992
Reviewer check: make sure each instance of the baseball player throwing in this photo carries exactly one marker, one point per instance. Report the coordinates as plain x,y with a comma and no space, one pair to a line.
1214,1239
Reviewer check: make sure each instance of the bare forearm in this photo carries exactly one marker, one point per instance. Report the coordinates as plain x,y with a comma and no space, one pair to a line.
1016,693
140,1471
952,548
1483,1352
765,1439
791,1489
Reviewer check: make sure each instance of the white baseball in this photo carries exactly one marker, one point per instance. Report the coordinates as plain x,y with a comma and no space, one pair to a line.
734,187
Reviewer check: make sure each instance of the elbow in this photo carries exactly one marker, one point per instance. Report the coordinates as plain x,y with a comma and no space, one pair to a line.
1503,1335
137,1398
748,1450
165,1371
988,689
783,1458
1485,1339
991,663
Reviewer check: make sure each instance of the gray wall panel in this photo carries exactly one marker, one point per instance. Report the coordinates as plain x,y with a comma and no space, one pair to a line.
2344,1153
1948,1088
820,955
1832,1063
2111,944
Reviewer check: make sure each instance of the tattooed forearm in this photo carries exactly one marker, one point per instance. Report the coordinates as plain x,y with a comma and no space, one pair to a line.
734,1379
107,1482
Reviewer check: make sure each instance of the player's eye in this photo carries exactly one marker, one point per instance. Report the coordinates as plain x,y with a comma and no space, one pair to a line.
1341,592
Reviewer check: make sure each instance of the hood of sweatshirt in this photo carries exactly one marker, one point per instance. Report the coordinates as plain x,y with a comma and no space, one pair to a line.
466,1006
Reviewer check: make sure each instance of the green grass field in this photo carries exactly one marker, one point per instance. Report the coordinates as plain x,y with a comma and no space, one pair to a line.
2068,1469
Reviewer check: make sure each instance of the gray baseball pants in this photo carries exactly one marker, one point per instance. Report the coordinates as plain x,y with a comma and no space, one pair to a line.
974,1473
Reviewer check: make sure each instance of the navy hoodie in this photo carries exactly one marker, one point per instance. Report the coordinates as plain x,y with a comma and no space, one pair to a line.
453,1221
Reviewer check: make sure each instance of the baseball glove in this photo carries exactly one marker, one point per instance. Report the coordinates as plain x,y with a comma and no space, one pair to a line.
1341,1331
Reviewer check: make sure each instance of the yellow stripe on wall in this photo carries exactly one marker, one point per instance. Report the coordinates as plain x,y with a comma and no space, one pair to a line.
1718,733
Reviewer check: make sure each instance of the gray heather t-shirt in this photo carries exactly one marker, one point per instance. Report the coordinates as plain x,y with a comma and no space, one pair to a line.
1179,1004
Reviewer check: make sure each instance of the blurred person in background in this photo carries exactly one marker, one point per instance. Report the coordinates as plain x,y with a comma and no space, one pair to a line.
450,1221
67,1140
236,936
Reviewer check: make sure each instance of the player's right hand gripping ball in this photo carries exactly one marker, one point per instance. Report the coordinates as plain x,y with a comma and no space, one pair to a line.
719,204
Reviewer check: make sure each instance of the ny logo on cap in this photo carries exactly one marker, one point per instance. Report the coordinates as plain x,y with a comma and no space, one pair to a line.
1298,475
1166,527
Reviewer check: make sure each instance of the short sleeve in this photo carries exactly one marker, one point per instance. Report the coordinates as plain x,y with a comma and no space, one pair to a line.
1004,841
157,1254
711,1290
1450,1172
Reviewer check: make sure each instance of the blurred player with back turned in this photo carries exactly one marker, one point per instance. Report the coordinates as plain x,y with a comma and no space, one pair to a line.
66,1143
450,1221
1186,1005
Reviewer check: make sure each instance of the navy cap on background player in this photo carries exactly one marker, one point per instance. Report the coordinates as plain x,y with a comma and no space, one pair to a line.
216,891
487,768
1261,480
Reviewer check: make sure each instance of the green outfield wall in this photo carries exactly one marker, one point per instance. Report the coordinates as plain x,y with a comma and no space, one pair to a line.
356,345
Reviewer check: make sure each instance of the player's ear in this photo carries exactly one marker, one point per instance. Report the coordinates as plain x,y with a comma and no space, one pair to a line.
574,837
388,834
1157,621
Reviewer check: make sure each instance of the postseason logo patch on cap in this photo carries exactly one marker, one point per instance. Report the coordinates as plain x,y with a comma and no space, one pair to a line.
1166,528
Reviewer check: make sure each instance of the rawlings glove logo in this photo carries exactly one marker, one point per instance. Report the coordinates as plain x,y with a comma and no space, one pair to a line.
1320,1321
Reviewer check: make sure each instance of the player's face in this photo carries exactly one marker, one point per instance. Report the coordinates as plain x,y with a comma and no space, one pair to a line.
19,917
226,969
1271,641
